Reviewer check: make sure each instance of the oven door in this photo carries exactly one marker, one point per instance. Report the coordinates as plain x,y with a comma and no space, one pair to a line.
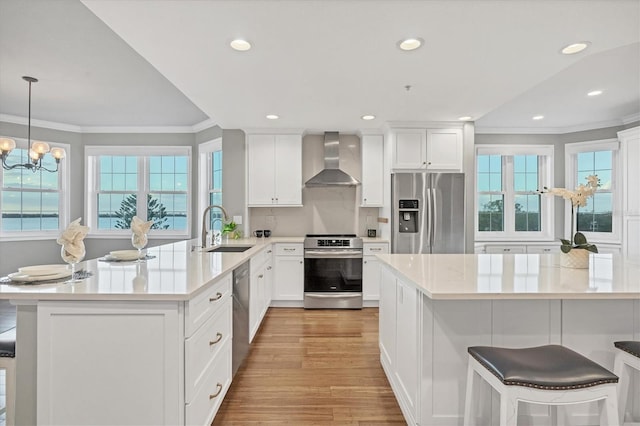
333,271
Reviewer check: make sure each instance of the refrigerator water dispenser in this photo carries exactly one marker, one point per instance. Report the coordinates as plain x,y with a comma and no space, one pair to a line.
408,216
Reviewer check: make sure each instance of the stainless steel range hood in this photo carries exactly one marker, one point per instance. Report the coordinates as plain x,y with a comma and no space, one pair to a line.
332,175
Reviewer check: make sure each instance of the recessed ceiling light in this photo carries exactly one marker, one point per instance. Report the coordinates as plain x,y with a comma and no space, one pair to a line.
273,117
410,44
240,45
575,48
595,93
368,117
464,118
537,117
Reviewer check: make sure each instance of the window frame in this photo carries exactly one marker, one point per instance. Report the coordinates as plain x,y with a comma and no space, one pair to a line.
92,172
64,200
205,172
545,174
571,151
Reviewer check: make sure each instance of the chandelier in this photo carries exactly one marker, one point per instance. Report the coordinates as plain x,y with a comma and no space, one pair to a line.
36,150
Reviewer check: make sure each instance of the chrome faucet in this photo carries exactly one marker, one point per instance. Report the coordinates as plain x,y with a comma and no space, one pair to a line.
204,222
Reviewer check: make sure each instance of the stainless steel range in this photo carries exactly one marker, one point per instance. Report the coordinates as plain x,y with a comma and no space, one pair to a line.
332,271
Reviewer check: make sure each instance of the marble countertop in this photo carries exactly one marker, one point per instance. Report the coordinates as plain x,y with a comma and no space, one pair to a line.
516,276
177,272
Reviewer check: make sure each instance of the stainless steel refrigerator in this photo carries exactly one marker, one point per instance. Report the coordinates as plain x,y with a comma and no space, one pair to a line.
427,213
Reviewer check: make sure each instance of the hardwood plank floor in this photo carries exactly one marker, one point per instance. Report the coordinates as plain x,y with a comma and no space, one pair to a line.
312,367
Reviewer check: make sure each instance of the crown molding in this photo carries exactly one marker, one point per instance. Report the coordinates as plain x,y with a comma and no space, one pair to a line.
14,119
551,130
198,127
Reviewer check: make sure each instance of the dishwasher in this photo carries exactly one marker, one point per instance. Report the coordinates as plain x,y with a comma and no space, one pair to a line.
240,296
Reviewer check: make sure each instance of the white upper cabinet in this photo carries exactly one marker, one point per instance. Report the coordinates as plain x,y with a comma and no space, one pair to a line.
444,149
630,154
274,164
372,147
438,150
409,149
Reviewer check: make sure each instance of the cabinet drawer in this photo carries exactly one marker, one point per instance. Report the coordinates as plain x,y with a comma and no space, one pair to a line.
201,307
204,346
203,407
375,248
506,249
289,250
544,249
260,259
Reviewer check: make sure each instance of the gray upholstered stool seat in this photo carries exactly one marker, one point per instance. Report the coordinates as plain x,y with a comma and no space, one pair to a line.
544,367
8,343
629,346
551,375
627,360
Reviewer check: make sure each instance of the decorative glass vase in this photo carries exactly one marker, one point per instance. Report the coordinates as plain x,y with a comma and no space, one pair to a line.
139,241
72,260
576,258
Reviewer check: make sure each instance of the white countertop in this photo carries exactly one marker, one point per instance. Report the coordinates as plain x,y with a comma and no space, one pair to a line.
176,273
516,276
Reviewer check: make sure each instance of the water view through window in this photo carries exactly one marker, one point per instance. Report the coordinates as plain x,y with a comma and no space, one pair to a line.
30,201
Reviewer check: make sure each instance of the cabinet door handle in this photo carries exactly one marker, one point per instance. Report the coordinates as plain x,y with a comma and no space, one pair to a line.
268,268
301,261
260,276
218,390
268,251
218,338
365,261
218,296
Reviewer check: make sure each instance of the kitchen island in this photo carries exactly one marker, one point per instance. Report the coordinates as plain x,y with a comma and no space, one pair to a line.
134,343
432,307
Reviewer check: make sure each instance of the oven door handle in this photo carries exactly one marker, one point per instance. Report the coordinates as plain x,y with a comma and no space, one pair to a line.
333,295
324,254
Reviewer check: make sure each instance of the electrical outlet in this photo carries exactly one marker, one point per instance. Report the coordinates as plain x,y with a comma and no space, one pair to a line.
237,220
269,221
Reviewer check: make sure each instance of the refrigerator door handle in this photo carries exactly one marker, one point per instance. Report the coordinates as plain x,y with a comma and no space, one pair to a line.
434,214
428,215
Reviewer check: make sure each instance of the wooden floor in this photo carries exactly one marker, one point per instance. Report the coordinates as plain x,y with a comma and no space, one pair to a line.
312,367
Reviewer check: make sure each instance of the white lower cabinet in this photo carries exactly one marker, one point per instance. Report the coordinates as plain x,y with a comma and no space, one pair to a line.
134,362
400,338
371,270
260,282
288,280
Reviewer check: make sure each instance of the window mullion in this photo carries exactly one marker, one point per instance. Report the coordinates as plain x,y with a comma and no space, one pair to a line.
508,191
143,187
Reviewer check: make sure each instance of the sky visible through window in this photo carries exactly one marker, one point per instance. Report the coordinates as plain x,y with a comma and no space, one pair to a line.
597,215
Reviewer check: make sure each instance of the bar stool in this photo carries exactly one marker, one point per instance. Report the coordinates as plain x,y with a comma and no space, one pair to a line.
8,364
627,357
550,374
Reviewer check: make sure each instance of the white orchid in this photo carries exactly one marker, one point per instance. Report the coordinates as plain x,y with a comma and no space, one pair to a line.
578,198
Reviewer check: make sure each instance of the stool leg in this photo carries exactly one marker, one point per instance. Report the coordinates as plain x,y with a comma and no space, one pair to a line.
609,408
624,378
469,399
10,388
508,410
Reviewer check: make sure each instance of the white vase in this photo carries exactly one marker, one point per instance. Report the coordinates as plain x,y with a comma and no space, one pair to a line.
576,258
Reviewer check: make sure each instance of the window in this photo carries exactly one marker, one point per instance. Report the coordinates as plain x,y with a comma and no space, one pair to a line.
152,183
34,205
210,181
598,220
507,203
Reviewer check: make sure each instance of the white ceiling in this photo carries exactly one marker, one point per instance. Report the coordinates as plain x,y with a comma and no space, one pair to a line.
321,64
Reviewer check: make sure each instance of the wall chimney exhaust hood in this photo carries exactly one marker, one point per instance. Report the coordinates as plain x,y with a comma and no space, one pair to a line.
331,175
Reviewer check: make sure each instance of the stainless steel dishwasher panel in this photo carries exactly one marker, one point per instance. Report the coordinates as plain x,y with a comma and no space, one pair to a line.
240,297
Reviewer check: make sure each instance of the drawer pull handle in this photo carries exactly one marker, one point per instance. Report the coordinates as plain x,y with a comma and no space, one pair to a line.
375,249
218,338
219,389
289,249
218,296
260,276
268,251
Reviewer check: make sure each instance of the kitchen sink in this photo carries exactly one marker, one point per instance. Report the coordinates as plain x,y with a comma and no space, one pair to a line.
228,249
